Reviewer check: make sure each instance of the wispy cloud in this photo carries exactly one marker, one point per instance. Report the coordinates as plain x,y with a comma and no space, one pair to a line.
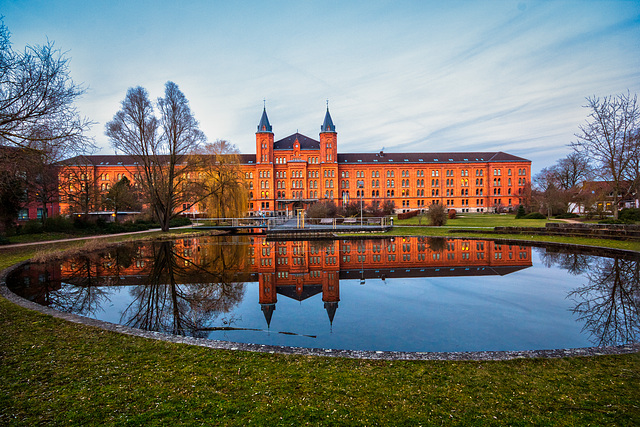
409,76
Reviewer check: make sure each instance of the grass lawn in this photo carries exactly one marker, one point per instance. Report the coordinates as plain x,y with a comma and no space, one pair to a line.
54,372
480,220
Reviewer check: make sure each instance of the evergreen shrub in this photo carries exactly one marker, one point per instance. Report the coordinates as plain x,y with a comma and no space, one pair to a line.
32,227
630,214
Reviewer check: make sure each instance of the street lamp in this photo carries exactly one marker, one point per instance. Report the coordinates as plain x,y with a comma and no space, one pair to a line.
361,187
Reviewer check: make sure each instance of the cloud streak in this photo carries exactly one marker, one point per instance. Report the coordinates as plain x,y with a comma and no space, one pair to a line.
409,75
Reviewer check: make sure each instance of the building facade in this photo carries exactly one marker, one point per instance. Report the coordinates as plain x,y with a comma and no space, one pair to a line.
296,171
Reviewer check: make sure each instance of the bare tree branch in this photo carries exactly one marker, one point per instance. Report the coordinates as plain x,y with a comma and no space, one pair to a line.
37,98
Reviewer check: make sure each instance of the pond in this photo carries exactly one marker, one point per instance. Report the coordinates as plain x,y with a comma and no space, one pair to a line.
395,294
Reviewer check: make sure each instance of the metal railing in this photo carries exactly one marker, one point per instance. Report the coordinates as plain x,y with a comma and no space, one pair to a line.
247,222
275,221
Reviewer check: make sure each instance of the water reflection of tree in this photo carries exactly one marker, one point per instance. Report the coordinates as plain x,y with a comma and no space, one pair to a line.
575,264
436,244
181,296
82,291
609,304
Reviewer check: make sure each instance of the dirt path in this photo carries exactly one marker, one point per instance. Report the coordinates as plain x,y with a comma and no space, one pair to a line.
570,221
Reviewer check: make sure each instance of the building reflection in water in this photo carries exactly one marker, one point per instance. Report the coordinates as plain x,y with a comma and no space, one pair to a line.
302,269
187,286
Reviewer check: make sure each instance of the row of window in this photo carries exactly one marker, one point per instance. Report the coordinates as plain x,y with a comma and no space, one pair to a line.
451,256
23,214
391,184
283,160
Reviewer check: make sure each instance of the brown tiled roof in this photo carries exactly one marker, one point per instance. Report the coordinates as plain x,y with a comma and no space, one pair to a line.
439,158
246,159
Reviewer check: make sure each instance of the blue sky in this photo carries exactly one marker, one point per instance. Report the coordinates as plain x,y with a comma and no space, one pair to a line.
403,75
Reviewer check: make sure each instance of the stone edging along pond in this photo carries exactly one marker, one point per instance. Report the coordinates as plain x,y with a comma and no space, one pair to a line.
353,354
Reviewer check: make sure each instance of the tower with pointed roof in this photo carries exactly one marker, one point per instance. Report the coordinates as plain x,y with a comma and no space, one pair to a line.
264,140
329,157
328,140
268,296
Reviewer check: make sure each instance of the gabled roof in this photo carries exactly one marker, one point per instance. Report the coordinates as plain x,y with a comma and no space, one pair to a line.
306,143
308,291
438,158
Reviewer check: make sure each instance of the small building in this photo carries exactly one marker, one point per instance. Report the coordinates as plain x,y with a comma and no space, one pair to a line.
598,196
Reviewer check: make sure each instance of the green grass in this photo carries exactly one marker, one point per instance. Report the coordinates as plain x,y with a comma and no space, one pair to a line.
452,232
481,220
54,372
40,237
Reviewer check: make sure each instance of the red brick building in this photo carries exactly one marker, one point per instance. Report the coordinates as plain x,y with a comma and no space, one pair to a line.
296,171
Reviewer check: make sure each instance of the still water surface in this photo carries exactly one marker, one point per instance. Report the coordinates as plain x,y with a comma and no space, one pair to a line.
402,294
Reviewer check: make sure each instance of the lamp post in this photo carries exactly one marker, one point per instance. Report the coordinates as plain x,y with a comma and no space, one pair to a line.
361,187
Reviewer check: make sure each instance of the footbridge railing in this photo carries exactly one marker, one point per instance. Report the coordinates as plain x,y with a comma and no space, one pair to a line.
247,222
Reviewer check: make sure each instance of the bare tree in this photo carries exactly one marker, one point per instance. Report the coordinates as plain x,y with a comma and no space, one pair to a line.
162,147
437,214
572,170
548,191
77,186
37,98
608,138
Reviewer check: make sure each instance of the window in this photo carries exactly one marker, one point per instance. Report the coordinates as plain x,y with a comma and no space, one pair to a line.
23,214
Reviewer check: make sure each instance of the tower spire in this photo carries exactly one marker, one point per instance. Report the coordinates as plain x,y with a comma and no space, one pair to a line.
327,125
264,125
